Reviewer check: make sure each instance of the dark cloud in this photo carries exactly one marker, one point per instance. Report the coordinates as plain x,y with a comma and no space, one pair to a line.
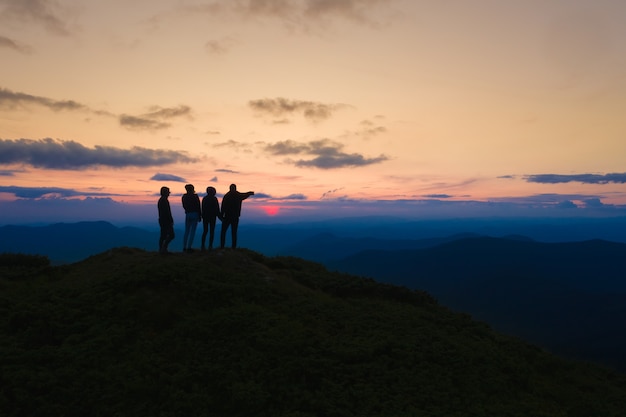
303,12
46,13
594,203
326,154
330,193
278,107
142,123
167,177
219,46
359,10
51,192
227,171
566,205
339,160
438,196
55,154
155,119
231,144
4,173
10,99
288,147
619,178
14,45
301,197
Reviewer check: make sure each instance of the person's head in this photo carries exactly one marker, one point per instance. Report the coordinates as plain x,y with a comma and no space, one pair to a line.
165,191
233,187
189,188
210,191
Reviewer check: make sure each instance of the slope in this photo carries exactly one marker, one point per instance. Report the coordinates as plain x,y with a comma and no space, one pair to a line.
568,297
234,333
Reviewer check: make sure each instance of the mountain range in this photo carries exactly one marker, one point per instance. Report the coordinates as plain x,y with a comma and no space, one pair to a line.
568,297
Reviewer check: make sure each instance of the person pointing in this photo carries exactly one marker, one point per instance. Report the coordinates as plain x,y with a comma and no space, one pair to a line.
231,210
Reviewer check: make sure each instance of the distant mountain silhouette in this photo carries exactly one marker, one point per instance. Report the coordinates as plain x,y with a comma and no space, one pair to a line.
569,297
325,247
71,242
233,333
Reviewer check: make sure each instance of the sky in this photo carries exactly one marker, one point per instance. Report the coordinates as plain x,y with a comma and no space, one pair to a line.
322,107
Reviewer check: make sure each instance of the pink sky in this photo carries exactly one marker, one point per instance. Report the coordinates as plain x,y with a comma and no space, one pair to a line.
390,107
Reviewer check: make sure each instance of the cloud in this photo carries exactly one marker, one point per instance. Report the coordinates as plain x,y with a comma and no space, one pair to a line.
329,194
15,45
618,178
219,46
10,99
167,177
593,203
567,204
226,171
48,192
304,12
55,154
278,107
141,123
238,146
438,196
155,119
45,13
359,10
301,197
326,154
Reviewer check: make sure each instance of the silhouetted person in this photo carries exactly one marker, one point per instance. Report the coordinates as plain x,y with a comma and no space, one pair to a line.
210,213
191,204
231,210
166,221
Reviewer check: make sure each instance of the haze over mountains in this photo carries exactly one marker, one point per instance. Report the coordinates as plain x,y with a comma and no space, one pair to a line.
552,282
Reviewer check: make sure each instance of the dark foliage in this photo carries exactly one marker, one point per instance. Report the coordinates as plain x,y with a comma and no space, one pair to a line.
235,333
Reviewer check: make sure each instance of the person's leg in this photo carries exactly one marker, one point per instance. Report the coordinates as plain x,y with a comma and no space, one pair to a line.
186,235
162,238
168,237
235,227
223,233
192,229
205,229
211,233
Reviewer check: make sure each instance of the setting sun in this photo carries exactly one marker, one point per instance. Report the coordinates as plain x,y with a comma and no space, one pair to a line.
271,210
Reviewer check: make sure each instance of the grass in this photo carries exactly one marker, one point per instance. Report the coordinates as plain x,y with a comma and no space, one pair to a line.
235,333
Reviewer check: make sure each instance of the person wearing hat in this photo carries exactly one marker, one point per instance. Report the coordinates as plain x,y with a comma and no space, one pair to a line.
191,204
166,221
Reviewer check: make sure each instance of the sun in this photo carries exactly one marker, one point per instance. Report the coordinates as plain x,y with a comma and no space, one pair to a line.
271,210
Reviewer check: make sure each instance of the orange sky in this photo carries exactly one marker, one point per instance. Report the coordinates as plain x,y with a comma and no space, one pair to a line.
315,104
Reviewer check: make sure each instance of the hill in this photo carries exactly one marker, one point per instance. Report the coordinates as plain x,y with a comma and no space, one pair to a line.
567,297
235,333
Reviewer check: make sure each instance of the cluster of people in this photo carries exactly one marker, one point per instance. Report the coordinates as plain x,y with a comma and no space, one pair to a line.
206,211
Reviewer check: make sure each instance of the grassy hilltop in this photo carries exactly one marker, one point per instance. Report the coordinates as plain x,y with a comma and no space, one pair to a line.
235,333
